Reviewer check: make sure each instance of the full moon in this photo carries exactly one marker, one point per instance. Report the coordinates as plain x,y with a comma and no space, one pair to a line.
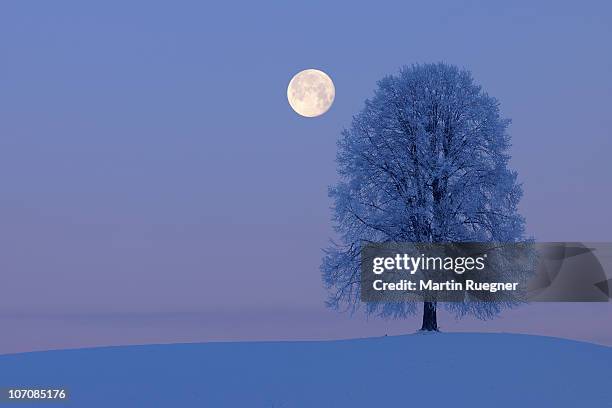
311,93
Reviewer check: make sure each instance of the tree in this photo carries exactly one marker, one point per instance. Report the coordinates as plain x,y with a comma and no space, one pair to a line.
426,160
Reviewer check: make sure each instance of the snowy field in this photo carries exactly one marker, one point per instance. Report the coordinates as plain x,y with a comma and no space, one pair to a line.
437,370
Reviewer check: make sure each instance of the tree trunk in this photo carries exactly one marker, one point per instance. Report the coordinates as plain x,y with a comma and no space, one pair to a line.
430,320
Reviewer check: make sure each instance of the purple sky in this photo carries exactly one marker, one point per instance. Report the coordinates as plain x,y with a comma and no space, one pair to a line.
157,187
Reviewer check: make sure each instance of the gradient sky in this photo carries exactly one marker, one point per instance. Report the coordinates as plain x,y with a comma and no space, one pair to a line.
155,185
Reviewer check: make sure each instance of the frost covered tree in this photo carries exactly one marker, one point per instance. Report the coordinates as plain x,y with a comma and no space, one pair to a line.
426,160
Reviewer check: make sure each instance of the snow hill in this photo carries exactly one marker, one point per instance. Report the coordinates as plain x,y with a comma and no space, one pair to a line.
438,370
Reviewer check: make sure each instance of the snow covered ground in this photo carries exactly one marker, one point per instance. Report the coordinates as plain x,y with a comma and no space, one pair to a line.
438,370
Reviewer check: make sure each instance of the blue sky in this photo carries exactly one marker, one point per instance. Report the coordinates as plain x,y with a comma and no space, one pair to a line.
150,164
